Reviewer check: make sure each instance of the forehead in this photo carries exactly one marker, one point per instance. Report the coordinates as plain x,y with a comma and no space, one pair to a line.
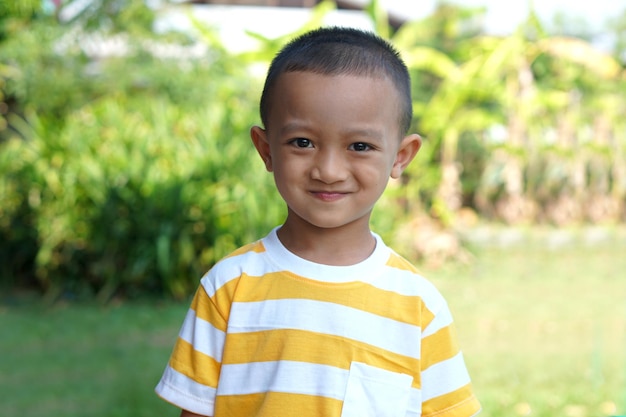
380,78
332,100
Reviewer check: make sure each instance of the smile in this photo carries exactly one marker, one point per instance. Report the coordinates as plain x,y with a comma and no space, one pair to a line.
328,196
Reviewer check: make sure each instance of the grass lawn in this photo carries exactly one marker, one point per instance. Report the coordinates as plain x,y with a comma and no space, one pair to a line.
85,361
542,322
542,325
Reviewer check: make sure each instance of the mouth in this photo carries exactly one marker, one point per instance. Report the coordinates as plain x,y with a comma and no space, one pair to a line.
328,196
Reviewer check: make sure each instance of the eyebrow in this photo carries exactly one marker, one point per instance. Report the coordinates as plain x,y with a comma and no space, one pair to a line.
365,132
293,126
360,132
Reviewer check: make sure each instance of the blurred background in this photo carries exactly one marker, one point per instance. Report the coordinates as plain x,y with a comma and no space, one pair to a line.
126,172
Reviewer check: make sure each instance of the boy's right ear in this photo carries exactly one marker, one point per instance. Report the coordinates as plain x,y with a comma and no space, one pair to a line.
259,138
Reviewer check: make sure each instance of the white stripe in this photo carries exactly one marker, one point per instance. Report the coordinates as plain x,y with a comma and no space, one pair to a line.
442,319
415,403
186,393
410,284
326,318
444,377
283,376
295,378
251,263
203,336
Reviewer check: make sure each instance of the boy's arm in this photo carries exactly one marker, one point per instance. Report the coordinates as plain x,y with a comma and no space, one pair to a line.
185,413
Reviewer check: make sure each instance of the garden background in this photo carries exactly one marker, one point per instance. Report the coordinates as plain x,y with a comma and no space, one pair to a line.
126,172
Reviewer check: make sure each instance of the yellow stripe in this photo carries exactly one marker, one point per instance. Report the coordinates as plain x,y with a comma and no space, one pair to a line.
196,365
439,347
427,317
215,309
206,309
250,247
302,346
399,262
459,403
283,285
275,404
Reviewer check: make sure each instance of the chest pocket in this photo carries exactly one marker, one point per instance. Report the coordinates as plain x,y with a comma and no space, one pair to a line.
375,392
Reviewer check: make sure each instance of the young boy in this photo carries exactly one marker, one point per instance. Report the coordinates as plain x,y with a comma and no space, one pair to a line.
320,318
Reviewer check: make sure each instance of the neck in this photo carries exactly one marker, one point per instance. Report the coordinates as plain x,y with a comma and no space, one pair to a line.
342,246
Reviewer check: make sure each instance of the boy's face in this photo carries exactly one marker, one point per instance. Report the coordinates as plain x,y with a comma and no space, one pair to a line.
332,143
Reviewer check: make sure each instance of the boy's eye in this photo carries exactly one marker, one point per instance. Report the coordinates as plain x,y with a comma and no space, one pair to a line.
360,146
302,142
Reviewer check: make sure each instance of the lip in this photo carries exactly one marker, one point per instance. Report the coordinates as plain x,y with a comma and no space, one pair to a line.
328,196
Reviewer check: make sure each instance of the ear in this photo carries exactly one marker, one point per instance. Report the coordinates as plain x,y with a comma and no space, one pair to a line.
259,138
406,152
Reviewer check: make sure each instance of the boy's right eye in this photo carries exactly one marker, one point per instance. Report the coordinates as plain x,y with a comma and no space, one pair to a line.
302,142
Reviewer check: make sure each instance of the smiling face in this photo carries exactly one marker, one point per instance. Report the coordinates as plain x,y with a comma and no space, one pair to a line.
332,142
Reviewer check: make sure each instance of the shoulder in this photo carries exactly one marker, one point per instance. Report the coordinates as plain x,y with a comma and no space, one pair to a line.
250,248
404,277
401,263
248,259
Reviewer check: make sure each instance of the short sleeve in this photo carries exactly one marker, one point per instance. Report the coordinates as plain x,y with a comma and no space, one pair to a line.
446,384
190,377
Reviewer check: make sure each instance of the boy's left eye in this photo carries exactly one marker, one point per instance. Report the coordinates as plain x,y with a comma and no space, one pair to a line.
360,146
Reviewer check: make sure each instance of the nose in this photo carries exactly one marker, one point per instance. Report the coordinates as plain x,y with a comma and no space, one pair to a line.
329,167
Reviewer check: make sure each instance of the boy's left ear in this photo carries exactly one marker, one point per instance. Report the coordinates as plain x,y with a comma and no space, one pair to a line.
406,152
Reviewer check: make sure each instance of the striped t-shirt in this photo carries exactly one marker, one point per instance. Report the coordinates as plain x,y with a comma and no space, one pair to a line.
271,334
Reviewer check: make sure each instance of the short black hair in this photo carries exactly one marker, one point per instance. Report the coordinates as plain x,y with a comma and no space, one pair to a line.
339,50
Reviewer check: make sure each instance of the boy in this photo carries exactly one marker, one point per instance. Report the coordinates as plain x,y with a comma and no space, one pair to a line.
320,318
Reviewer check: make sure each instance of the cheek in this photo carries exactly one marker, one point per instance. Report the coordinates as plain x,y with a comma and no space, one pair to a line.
373,184
286,174
284,167
377,173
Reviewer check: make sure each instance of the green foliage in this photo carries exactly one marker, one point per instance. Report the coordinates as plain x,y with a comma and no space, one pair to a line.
617,25
268,47
44,81
139,196
19,9
536,89
127,171
127,16
134,175
379,16
14,13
